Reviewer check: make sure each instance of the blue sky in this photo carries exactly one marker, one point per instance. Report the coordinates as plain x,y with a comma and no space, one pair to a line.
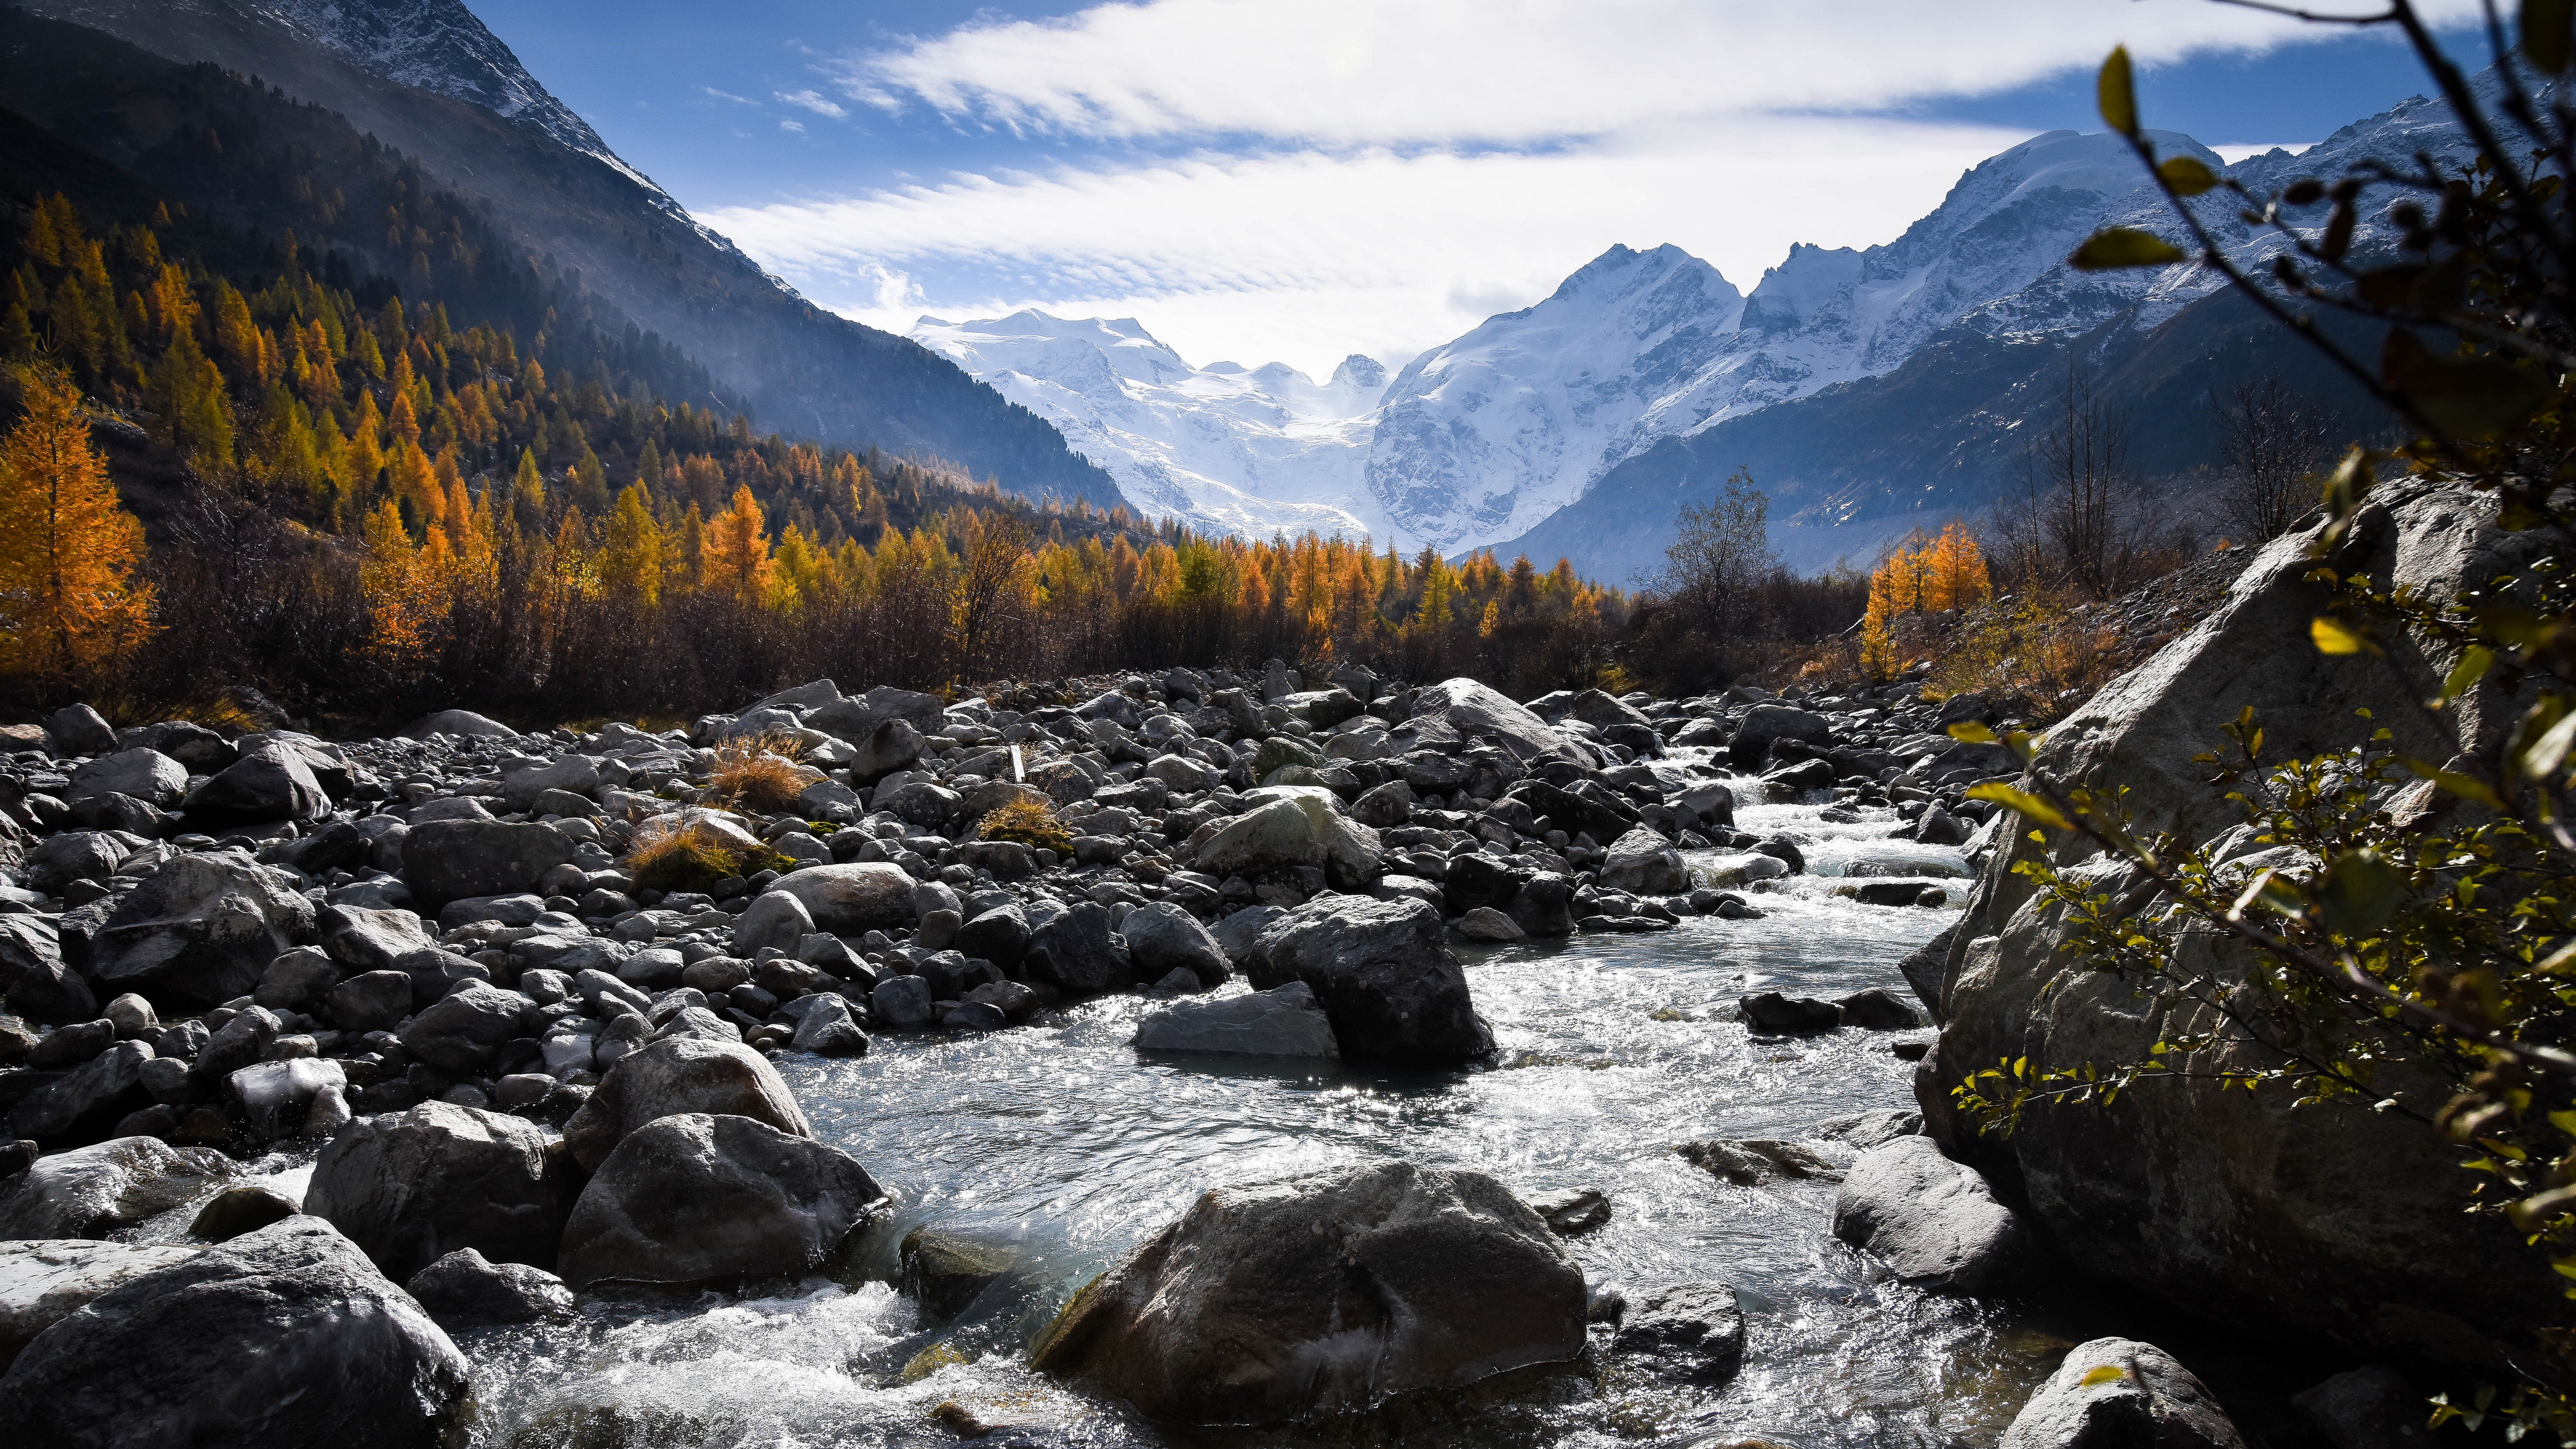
1298,179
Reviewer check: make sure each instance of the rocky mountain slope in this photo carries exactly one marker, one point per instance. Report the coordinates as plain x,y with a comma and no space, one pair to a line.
432,82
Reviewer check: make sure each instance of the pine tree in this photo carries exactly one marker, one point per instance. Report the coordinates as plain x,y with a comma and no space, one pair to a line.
68,553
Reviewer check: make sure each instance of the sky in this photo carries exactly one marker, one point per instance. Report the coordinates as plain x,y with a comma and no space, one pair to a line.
1297,180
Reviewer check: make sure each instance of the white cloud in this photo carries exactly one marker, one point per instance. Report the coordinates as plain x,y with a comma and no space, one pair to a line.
1301,256
816,102
791,124
715,94
1360,72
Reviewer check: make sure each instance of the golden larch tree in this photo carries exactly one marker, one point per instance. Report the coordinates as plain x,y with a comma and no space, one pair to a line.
68,553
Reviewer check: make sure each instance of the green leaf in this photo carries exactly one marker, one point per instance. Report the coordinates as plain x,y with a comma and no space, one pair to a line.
1972,732
2358,893
2113,248
2467,787
2550,751
2474,663
2108,1373
2117,93
2186,177
2333,636
2464,397
2549,33
2022,802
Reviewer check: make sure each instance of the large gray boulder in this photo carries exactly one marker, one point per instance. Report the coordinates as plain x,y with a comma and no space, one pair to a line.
1285,1021
1289,826
2115,1392
200,931
461,1033
44,1280
2328,1218
1644,863
1933,1221
577,774
1332,1293
88,1102
1385,974
1455,711
464,723
77,729
851,900
271,781
674,1076
1767,722
1162,938
35,981
467,1290
146,775
90,1192
282,1336
446,860
854,718
701,1198
1693,1332
409,1188
1076,951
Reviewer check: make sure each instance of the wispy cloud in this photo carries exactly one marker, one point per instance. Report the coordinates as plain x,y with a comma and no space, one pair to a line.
816,102
715,94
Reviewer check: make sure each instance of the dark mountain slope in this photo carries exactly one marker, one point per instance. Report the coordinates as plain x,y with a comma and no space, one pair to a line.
602,226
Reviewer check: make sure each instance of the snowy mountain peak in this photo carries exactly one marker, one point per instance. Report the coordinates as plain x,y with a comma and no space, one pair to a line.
437,45
1360,371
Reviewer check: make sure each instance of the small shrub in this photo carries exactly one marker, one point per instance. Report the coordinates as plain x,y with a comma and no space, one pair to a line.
761,774
1027,822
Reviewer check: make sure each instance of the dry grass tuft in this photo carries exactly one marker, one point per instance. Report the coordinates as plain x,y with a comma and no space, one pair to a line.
690,857
1027,822
761,774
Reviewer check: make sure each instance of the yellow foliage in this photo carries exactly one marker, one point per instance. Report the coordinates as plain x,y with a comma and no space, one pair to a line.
761,774
68,553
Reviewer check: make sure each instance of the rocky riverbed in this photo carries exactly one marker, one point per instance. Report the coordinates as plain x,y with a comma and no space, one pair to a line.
1567,1043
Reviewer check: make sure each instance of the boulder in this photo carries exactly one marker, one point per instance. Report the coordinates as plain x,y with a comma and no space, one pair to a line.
1077,952
1385,976
446,860
1789,1015
1455,711
43,1280
146,775
1874,1009
1767,722
364,939
86,1103
461,1033
1544,905
775,918
77,729
1161,938
283,1336
700,1198
92,1191
201,931
851,900
1934,1222
271,781
35,981
373,1001
854,718
1924,966
1384,806
1643,862
2328,1219
1690,1332
2118,1391
411,1187
999,935
1747,1161
467,1290
238,1210
572,774
463,723
882,748
900,1003
2372,1407
276,1096
826,1028
674,1076
1285,1021
1333,1293
1291,826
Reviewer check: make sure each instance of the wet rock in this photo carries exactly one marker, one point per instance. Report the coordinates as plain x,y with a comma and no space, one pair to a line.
1767,722
1248,1310
35,980
276,1096
1486,924
1285,1021
1544,905
1788,1015
944,1268
1750,1160
1385,976
44,1280
827,1029
1000,935
851,900
92,1191
1689,1332
446,860
1934,1222
1161,937
411,1188
1574,1212
900,1003
1862,1131
1643,862
1877,1010
705,1199
676,1076
201,931
1077,952
466,1290
2118,1391
1925,966
283,1336
1241,930
238,1210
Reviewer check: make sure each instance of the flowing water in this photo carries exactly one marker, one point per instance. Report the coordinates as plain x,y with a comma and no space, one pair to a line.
1059,1140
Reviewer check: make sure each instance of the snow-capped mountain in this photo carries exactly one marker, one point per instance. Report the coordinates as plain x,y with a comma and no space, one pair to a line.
1250,452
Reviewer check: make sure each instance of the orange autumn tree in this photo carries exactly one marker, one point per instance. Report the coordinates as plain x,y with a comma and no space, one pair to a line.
737,549
1948,572
68,553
